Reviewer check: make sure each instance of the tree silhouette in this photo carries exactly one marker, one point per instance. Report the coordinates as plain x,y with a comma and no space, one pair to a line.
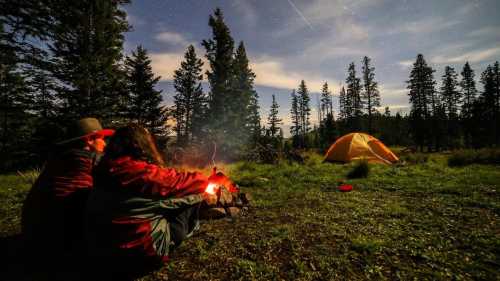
451,97
469,91
245,120
370,94
189,101
304,110
86,47
353,103
296,128
326,106
144,105
422,100
273,120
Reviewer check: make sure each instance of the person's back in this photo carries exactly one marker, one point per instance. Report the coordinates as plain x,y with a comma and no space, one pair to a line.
52,214
53,210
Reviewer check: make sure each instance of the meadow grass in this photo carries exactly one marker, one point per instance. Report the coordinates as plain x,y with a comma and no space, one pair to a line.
425,221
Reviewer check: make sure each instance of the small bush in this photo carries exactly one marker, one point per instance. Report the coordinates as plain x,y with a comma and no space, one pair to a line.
469,156
359,170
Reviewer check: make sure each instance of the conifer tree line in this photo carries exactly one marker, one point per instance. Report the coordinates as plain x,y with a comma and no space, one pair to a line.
449,116
359,99
457,114
228,115
78,69
63,60
358,102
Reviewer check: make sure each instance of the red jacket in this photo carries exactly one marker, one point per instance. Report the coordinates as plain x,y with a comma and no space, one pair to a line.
52,214
129,210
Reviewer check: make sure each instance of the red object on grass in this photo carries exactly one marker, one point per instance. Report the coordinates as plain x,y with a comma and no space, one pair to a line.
345,187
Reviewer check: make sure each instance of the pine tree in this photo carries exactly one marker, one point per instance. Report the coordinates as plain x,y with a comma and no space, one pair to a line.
190,101
86,46
304,109
469,91
326,102
219,53
387,112
422,100
245,120
45,125
253,121
353,102
15,101
490,100
273,120
28,22
343,108
145,101
370,95
42,88
328,131
29,104
386,127
496,93
296,128
451,97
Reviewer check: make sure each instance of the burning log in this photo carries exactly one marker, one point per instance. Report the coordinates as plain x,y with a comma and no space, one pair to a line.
227,201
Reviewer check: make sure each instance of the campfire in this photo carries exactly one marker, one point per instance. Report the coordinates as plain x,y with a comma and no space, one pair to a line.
211,188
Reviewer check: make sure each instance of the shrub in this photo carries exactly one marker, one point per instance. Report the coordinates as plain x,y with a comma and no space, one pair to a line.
359,170
469,156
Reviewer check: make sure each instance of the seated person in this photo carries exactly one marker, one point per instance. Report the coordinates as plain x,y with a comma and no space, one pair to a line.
52,214
139,211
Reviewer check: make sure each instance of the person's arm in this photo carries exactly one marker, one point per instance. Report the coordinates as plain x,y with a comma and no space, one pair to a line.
170,182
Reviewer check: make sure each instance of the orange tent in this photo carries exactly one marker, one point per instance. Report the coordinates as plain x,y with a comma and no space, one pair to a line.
356,146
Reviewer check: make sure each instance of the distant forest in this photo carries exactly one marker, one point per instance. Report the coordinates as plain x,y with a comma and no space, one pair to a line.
63,60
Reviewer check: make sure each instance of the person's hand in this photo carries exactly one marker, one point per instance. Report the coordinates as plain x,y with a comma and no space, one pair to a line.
210,199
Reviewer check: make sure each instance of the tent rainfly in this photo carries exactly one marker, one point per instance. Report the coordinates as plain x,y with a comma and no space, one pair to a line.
357,146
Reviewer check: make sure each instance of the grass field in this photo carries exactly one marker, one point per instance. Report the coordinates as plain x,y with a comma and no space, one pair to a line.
404,222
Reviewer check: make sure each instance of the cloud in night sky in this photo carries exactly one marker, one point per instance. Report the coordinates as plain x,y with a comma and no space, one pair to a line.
173,38
283,49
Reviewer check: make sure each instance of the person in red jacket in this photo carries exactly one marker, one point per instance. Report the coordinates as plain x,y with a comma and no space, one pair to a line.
52,214
139,210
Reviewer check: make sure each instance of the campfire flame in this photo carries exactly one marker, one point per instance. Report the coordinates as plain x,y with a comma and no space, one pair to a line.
211,188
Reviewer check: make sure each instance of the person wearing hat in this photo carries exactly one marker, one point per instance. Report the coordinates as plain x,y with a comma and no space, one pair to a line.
52,214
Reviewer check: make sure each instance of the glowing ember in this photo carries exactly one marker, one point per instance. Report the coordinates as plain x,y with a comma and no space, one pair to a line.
211,188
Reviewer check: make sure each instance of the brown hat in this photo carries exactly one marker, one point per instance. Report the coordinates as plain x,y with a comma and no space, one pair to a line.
86,127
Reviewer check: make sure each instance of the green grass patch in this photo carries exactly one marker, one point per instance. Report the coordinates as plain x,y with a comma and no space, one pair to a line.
480,156
415,158
418,221
365,244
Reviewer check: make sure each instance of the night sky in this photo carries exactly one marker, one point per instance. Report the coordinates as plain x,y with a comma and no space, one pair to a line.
315,40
